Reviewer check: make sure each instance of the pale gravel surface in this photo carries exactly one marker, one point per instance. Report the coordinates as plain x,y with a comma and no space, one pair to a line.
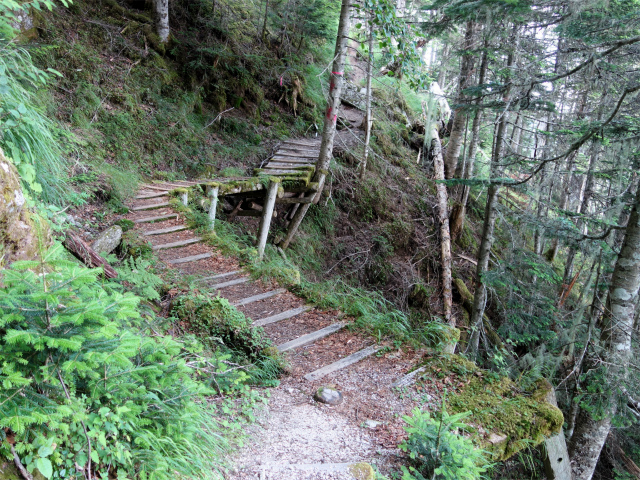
294,429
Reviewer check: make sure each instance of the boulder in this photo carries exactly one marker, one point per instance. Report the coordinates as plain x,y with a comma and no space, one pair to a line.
328,395
351,95
108,240
22,233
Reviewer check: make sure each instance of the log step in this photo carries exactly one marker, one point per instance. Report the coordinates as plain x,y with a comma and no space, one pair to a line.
310,337
408,379
256,298
285,165
220,275
230,283
302,143
156,219
284,153
181,243
192,258
150,207
155,187
301,160
162,231
281,316
144,196
342,363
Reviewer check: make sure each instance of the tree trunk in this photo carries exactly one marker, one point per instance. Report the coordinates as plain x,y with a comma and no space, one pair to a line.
490,213
442,75
445,238
88,255
460,116
617,324
162,20
331,116
368,120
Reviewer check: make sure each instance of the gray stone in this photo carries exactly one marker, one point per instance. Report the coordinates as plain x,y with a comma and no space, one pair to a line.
328,395
108,240
351,95
372,424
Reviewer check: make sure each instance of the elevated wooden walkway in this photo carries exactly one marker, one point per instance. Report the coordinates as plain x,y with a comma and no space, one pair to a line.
284,179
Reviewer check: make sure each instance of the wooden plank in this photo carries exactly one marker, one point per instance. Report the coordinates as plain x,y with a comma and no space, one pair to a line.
156,219
230,283
287,165
281,153
342,363
303,143
286,172
155,187
294,160
281,316
192,258
408,379
256,298
150,195
181,243
150,207
220,275
253,213
281,167
179,183
310,337
293,200
162,231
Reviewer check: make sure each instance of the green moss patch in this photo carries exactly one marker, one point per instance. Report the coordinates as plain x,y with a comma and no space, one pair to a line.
506,418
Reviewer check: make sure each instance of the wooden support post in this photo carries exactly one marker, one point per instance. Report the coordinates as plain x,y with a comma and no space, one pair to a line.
267,214
212,192
184,196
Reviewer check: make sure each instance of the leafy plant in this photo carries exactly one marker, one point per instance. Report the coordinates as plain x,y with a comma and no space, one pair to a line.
438,451
84,393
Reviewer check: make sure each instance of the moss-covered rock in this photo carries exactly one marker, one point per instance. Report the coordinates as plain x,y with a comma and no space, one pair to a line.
362,471
22,233
506,418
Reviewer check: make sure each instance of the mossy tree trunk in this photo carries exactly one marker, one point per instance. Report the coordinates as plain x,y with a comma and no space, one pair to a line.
617,324
330,119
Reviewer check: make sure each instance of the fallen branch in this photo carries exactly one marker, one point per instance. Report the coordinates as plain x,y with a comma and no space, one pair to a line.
88,255
218,117
19,466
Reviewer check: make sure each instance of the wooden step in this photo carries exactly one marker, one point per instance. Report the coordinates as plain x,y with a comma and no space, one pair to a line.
281,153
155,187
287,165
342,363
220,275
181,243
256,298
310,337
192,258
285,172
230,283
408,379
281,168
281,316
144,196
303,143
162,231
293,160
156,219
150,207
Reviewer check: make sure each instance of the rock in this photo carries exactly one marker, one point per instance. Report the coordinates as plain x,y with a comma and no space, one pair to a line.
372,424
8,471
350,95
328,395
362,471
23,232
108,240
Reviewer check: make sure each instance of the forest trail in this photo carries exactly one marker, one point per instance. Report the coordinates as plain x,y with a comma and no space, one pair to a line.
295,437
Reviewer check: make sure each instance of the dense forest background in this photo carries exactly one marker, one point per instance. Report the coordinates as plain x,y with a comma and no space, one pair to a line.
487,205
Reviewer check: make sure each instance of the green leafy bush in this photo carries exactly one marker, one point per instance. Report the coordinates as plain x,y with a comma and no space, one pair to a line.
84,393
438,451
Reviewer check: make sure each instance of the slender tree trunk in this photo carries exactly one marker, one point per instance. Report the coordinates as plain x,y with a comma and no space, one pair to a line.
564,201
331,116
263,36
442,75
368,119
445,237
460,115
590,434
490,213
162,20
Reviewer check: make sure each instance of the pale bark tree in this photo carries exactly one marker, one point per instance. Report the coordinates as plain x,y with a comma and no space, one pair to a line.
331,116
591,433
162,20
368,117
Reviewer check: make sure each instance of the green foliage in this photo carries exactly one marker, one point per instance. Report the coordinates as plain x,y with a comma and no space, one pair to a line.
77,373
438,450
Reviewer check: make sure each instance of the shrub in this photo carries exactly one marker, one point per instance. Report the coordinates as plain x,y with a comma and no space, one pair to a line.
84,393
437,451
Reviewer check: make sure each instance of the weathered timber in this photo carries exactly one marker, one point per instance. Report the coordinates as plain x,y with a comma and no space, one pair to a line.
192,258
254,213
287,165
408,379
180,243
292,200
230,283
281,316
88,255
212,193
300,160
155,187
267,214
162,231
310,337
257,298
156,219
342,363
150,207
220,275
150,195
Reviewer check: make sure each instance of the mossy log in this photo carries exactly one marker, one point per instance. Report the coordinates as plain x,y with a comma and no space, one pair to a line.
88,255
